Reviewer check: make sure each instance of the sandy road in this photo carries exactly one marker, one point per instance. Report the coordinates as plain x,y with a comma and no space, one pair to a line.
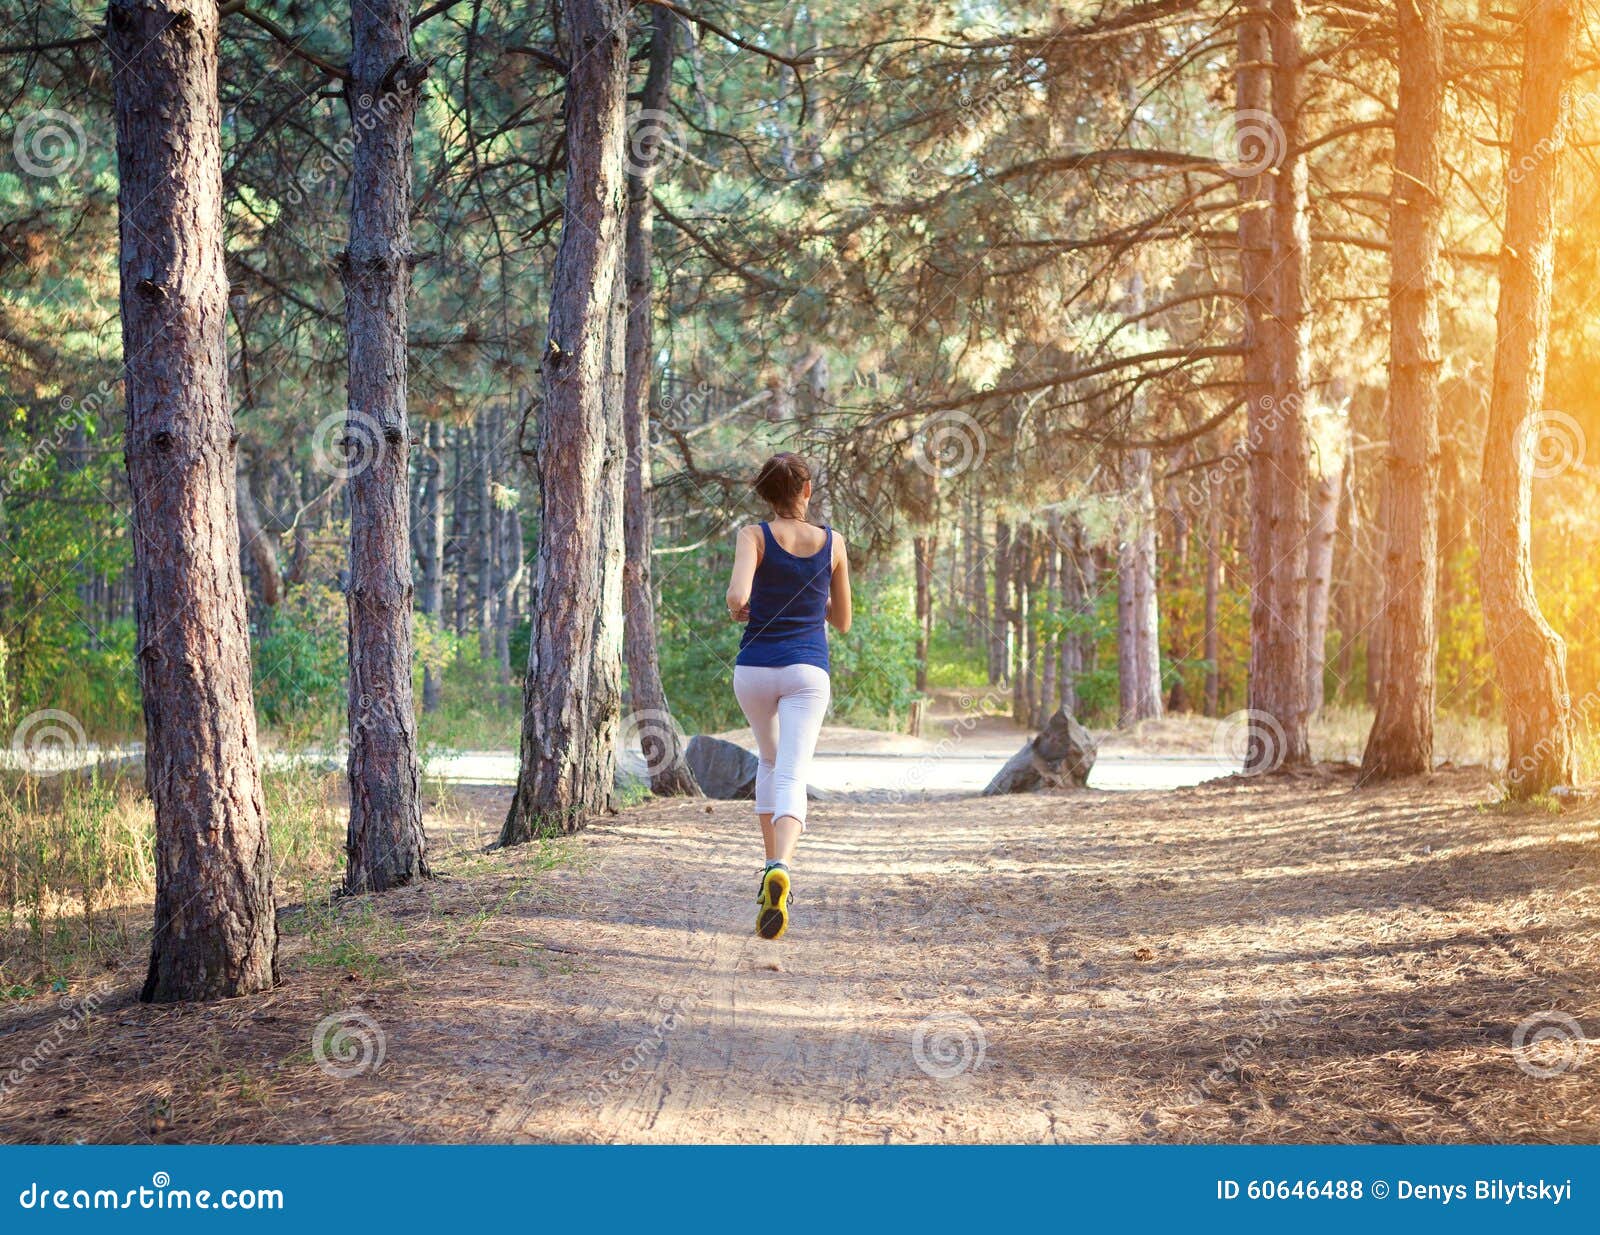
1276,959
876,1019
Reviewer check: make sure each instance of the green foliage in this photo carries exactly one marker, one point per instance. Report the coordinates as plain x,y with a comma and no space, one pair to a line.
696,640
953,663
300,657
874,666
477,711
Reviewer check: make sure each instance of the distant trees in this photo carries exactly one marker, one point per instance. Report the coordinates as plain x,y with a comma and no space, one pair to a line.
386,847
1529,657
216,929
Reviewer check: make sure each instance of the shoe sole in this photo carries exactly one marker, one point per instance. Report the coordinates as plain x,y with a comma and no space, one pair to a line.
773,919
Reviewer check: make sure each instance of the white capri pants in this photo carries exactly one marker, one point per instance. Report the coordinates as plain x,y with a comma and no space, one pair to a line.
784,707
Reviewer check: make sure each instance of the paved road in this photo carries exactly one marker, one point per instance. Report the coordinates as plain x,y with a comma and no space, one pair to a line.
898,775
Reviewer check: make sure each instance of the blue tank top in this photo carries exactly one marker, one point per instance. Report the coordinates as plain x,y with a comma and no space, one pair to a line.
788,607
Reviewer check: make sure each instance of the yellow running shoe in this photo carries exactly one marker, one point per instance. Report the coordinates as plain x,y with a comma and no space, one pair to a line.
772,916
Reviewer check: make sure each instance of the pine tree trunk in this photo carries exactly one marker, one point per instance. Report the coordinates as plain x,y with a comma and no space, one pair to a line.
1529,657
1138,618
922,548
650,716
1000,621
1319,583
460,528
1050,654
507,583
1017,621
1274,249
1401,740
430,546
385,846
568,747
976,594
488,540
1029,634
1075,601
605,676
216,931
1213,640
259,545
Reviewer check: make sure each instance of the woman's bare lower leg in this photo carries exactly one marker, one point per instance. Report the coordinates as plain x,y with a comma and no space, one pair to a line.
786,831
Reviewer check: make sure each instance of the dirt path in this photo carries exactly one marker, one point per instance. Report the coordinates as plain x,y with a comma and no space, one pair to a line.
1260,960
868,1022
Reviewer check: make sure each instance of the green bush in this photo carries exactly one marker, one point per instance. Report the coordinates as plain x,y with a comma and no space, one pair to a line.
875,665
299,658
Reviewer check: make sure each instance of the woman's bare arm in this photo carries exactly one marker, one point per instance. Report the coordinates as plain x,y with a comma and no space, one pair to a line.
839,612
746,555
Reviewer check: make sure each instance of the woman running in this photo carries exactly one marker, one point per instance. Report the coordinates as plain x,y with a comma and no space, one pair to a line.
790,577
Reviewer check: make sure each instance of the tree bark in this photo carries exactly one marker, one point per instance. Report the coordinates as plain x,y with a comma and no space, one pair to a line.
430,546
385,845
1138,617
568,746
1000,625
1401,740
922,549
1213,593
460,526
1050,654
1319,583
650,714
1017,621
259,545
488,529
1075,600
1274,249
1529,657
216,931
605,670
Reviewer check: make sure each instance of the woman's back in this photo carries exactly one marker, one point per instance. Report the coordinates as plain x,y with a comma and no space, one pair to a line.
789,598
